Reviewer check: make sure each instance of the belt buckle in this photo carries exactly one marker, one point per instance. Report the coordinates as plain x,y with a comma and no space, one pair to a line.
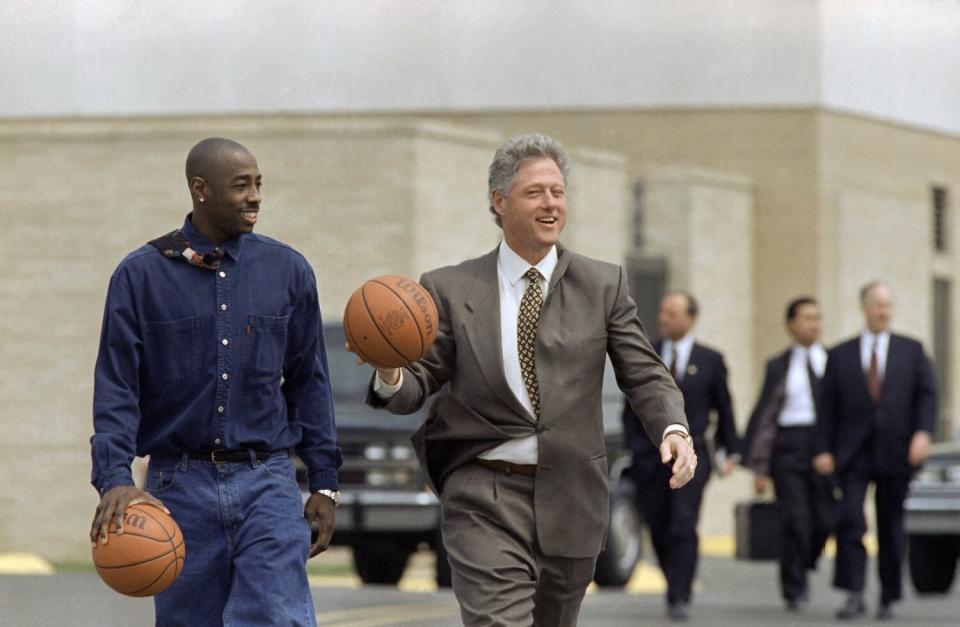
213,455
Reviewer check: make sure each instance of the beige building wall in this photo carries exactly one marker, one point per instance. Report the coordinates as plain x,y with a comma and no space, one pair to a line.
357,198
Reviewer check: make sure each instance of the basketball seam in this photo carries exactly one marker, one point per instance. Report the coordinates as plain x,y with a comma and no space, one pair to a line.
169,536
413,316
162,573
363,299
353,342
164,554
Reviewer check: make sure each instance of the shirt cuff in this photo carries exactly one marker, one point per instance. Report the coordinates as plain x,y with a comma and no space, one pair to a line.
323,480
385,390
115,479
674,428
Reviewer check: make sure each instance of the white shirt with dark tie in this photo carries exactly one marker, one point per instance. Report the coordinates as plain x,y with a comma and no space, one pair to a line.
681,349
798,409
867,342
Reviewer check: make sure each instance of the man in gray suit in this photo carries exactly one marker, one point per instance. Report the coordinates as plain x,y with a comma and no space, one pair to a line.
514,439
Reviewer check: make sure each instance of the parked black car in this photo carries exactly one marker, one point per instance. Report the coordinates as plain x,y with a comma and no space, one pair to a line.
387,512
932,521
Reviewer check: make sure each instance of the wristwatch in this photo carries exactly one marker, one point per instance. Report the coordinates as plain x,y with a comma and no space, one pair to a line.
333,495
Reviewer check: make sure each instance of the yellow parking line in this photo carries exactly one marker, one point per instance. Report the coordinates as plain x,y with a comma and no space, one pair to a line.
24,564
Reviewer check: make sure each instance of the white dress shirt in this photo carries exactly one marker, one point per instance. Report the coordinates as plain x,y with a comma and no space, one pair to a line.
682,349
798,409
510,270
867,340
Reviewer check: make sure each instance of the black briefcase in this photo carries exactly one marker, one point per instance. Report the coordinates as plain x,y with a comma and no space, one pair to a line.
758,530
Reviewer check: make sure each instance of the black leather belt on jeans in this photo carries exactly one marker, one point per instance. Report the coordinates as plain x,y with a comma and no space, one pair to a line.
529,470
223,456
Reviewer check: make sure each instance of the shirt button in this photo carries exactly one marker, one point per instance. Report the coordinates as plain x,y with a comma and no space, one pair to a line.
223,307
226,341
225,376
220,409
217,441
223,274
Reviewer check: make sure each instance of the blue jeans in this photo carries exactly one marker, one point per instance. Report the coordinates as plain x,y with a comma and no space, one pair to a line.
246,543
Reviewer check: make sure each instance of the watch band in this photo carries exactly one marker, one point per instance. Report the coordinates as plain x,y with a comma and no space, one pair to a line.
333,495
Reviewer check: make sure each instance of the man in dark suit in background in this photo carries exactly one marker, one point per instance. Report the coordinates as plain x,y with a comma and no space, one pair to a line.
875,422
779,444
672,515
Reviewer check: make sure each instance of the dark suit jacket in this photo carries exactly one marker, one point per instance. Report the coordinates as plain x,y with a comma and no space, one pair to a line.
870,437
704,388
762,429
587,315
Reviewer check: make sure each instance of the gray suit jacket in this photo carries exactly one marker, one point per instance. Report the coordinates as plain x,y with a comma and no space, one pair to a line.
587,315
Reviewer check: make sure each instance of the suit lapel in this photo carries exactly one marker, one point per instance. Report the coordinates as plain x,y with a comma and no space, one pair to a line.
483,330
893,352
692,369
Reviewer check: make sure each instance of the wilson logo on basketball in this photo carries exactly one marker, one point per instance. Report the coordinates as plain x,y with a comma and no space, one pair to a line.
135,520
414,290
394,319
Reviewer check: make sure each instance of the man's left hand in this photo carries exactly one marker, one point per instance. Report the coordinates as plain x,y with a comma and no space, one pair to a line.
321,512
675,448
919,448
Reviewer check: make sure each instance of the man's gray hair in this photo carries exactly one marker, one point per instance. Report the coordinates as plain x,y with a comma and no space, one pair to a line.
866,289
513,153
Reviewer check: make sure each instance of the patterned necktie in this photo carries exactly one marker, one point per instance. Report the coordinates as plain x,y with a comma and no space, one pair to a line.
873,375
529,316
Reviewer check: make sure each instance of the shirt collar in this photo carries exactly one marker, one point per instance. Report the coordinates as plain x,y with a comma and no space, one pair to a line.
514,266
683,345
202,245
881,338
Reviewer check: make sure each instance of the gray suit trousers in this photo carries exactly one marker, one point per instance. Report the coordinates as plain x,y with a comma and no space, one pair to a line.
500,575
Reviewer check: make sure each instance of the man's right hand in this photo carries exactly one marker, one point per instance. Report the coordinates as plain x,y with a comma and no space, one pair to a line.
823,464
113,505
760,483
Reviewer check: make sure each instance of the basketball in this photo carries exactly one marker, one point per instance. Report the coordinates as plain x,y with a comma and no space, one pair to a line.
390,321
146,558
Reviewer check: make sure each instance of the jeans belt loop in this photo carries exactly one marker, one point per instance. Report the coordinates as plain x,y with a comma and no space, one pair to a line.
254,462
184,460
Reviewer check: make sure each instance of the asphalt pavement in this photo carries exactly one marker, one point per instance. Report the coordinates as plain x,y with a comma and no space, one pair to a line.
728,592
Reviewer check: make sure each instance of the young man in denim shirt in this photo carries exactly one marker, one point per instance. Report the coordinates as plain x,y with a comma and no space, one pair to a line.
212,362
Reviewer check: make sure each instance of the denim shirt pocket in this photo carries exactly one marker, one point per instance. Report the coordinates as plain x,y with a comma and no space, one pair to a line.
172,351
267,343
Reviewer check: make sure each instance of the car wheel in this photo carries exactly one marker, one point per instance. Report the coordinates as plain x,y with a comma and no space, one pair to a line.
933,563
617,561
380,561
444,575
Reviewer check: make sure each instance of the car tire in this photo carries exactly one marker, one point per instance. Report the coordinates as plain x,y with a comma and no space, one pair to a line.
444,574
379,561
617,561
933,562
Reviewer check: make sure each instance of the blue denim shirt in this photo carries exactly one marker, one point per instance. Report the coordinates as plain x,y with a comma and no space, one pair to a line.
193,360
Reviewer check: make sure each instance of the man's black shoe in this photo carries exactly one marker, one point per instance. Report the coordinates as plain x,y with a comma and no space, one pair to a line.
885,611
677,612
853,607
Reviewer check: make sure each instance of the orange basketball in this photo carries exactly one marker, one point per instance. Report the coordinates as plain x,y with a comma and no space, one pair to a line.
146,558
390,321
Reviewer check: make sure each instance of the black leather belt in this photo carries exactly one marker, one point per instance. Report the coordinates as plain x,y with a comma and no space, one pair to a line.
529,470
223,456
